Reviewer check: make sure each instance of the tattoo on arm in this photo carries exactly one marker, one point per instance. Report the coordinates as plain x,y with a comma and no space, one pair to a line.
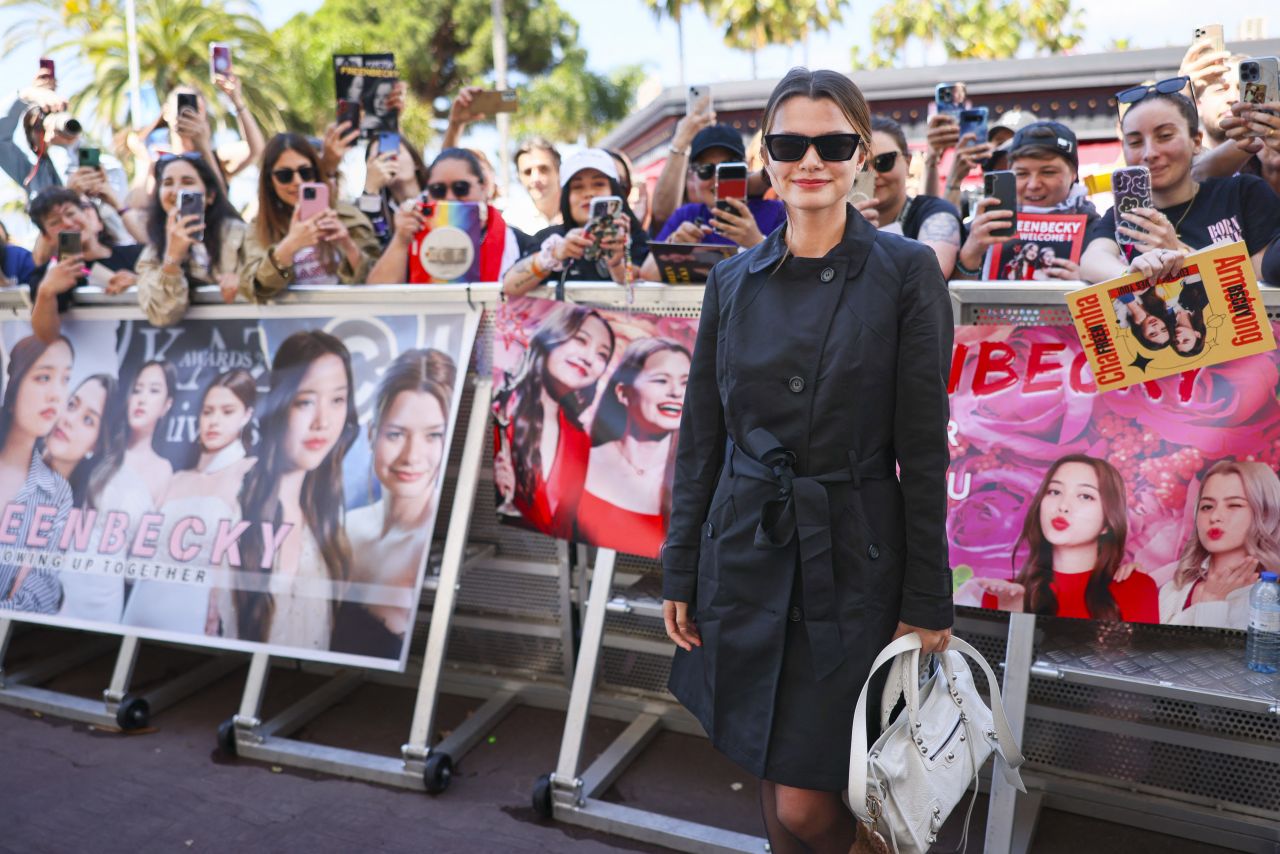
941,228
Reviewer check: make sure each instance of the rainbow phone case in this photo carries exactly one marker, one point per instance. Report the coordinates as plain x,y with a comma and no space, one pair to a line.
447,249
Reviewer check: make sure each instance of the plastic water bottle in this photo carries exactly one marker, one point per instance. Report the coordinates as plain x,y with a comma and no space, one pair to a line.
1262,649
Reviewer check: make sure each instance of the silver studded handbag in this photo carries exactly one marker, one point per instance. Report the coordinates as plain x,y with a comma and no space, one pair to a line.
924,760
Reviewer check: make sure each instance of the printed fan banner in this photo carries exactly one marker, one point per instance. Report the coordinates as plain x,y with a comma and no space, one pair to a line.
587,412
1041,239
237,483
1156,503
1210,312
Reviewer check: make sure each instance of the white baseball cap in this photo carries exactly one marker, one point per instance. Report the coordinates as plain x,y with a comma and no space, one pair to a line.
589,158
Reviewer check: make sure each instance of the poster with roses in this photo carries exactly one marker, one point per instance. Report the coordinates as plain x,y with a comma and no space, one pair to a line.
1155,503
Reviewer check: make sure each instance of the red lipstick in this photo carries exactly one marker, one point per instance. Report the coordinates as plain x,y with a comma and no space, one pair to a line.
1060,524
1216,533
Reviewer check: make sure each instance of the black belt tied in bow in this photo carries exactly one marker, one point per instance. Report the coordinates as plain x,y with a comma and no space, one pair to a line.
802,510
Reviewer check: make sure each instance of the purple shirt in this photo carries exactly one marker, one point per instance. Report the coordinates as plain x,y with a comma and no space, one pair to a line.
769,215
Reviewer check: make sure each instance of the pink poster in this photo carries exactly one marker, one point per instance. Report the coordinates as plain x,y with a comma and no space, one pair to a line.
1157,503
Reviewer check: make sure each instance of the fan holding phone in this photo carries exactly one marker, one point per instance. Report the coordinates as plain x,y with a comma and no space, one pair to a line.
194,237
299,237
600,238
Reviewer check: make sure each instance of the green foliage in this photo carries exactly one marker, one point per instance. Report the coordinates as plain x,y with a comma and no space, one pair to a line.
572,101
972,29
173,49
754,24
440,45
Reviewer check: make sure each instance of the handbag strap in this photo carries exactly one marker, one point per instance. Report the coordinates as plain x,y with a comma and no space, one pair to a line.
1007,748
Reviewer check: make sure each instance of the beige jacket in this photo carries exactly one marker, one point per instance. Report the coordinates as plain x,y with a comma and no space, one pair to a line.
261,279
165,297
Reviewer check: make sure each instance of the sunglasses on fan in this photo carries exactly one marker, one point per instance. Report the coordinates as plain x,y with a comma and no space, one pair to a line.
833,147
1126,98
440,190
285,174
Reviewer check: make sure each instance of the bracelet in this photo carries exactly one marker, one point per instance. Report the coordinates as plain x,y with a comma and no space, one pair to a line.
546,257
680,152
961,268
285,272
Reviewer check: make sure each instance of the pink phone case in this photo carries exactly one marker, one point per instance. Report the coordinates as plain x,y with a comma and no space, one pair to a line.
307,208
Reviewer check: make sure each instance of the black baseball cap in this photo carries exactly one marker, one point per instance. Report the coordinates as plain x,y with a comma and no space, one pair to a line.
718,136
1050,137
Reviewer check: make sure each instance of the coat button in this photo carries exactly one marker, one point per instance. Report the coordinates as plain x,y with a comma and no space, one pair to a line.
873,551
827,274
796,384
711,530
796,614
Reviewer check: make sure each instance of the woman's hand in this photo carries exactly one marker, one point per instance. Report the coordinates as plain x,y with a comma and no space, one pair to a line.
869,210
180,235
1204,65
574,245
504,474
1253,126
969,153
931,640
62,276
460,112
1157,264
380,171
680,625
408,222
687,128
338,138
1009,595
1125,570
333,231
1150,229
1219,582
689,232
194,128
944,133
229,85
980,238
302,234
1062,268
121,281
229,285
739,225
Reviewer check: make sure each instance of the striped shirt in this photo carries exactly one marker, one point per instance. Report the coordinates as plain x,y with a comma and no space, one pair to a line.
41,591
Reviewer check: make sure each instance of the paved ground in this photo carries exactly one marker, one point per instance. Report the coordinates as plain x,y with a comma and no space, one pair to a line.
67,787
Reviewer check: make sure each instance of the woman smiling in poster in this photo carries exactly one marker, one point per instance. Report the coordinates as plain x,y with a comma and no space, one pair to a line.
540,464
207,492
35,394
89,435
1237,533
407,437
143,475
627,496
1075,533
306,426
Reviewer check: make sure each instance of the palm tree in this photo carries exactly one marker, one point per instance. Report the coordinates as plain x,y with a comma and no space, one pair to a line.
173,39
673,9
751,25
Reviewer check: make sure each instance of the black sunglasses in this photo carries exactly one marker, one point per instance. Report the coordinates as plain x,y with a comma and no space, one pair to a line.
168,158
440,191
285,175
704,171
790,147
1126,98
884,162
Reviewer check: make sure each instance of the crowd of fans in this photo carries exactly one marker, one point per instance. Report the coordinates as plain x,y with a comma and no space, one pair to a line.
1214,166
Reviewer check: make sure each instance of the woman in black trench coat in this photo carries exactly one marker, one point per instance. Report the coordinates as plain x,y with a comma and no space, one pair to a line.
794,553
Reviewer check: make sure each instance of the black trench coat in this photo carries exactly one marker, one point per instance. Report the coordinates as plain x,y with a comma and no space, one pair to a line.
797,547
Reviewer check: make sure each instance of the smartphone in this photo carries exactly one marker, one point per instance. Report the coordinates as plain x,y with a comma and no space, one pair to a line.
388,143
219,59
1260,80
1004,187
90,157
68,244
697,100
494,101
46,64
187,101
191,202
600,220
312,199
1131,187
950,98
1211,33
974,121
731,183
349,114
864,187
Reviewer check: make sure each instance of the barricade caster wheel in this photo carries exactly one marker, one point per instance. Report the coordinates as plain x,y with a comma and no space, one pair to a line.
227,737
133,713
542,796
437,772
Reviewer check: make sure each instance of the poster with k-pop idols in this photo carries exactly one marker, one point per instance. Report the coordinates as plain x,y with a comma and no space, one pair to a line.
253,484
1135,329
1158,503
587,407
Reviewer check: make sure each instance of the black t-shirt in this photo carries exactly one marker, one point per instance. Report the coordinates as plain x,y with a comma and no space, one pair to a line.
121,258
921,208
581,270
1241,207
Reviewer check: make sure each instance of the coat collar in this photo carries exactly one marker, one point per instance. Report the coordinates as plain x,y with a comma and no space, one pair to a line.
854,247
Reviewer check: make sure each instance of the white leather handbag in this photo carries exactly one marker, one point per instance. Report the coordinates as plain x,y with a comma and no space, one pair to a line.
919,768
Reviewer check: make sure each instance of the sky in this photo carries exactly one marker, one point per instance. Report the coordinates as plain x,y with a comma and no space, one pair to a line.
624,32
